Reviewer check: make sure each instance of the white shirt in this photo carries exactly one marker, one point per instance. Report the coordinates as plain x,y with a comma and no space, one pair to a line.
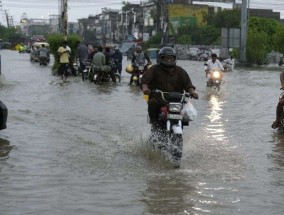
216,65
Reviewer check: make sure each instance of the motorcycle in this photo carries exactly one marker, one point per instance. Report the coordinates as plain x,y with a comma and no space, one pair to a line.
86,71
228,67
215,78
43,61
138,72
167,137
281,125
228,64
105,75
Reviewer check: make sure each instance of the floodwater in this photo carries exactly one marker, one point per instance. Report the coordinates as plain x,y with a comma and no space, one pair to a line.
78,148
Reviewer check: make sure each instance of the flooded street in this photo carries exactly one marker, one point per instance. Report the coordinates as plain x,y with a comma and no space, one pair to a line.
78,148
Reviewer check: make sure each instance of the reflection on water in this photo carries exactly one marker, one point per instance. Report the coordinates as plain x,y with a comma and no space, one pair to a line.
216,125
5,148
168,194
277,157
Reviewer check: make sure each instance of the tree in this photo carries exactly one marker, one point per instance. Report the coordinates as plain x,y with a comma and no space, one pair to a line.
279,39
256,46
55,41
269,27
225,19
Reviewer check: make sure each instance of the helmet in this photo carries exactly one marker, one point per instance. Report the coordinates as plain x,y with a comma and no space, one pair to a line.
129,68
170,52
135,78
138,49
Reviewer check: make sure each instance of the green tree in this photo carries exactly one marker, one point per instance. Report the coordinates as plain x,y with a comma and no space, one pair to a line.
55,41
12,35
279,39
268,26
256,47
184,39
153,42
225,19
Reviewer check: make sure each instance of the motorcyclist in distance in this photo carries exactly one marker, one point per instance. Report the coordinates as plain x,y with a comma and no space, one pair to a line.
212,64
117,57
43,54
167,77
82,55
139,59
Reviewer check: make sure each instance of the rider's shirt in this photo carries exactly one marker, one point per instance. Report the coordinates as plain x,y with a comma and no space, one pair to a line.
216,65
43,52
140,59
99,60
64,58
174,80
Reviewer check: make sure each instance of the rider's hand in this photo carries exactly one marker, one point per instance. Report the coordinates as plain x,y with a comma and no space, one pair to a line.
146,91
194,95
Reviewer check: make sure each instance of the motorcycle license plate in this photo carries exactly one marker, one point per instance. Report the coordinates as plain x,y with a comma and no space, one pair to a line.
141,67
217,81
174,116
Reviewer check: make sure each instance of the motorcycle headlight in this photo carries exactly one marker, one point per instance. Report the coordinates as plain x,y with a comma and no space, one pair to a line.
175,107
216,74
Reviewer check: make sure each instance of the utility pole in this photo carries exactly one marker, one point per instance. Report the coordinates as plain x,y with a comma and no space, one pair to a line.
244,20
64,18
158,18
7,19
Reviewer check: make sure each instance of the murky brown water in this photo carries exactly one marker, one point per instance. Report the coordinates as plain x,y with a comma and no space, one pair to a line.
78,148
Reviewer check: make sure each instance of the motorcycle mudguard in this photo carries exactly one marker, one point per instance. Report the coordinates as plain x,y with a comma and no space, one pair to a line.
177,129
3,115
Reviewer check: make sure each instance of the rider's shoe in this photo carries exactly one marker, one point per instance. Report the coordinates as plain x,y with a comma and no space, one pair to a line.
275,124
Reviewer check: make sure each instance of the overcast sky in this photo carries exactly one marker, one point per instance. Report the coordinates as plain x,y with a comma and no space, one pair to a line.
83,8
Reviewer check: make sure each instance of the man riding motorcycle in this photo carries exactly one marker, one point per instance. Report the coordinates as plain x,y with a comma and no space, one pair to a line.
43,55
167,77
212,64
138,60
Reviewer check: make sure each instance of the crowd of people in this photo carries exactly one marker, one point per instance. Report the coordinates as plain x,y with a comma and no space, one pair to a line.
99,57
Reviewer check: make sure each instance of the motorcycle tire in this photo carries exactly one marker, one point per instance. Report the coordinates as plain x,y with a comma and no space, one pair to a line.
281,126
85,76
176,151
117,77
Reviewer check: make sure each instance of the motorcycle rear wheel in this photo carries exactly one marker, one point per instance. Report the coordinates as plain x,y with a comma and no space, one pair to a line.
85,75
281,126
117,77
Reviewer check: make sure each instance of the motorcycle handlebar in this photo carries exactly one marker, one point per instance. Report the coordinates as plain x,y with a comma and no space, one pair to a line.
184,94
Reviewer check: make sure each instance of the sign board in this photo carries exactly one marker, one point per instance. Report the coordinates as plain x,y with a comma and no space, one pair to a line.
230,37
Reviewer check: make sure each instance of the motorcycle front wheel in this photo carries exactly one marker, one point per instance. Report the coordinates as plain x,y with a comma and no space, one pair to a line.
176,151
